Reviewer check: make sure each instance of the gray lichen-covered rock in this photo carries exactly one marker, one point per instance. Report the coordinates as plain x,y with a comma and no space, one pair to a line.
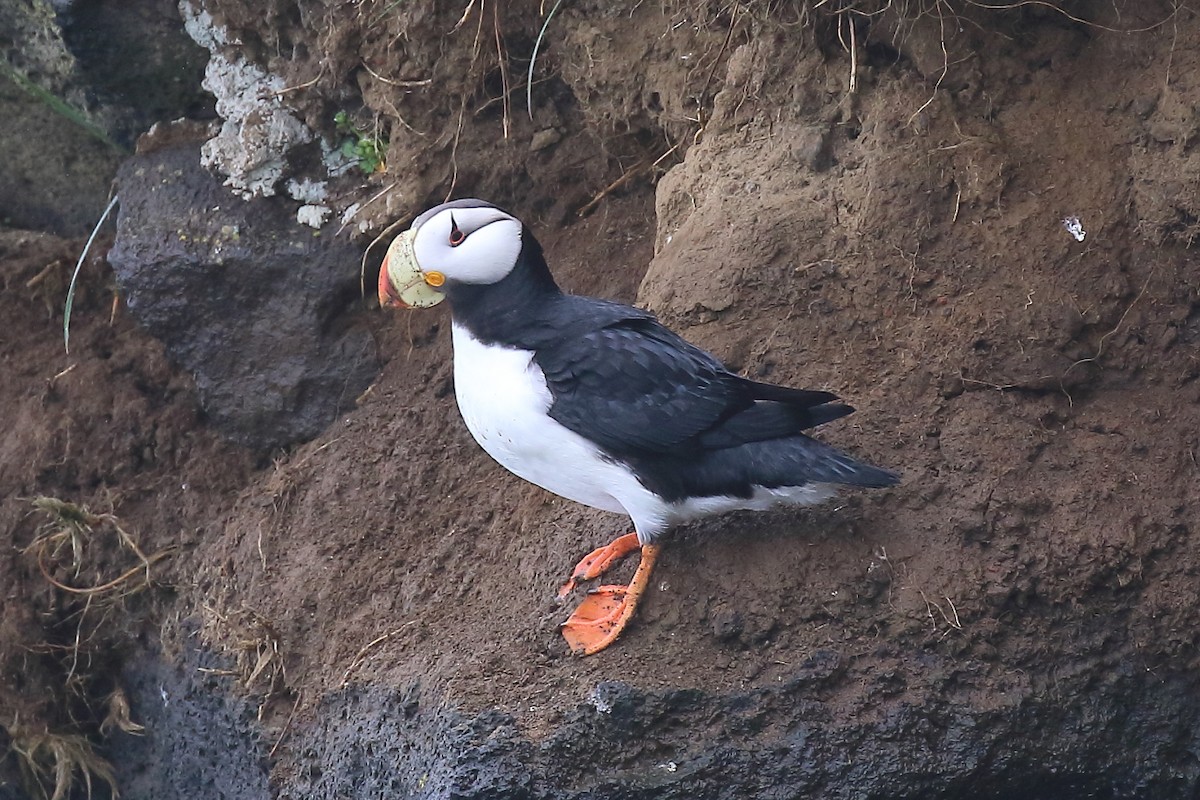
251,303
258,131
42,52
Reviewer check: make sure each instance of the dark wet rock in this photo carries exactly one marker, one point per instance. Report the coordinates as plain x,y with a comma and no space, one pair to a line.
140,64
201,739
78,82
55,176
375,742
794,740
252,303
623,742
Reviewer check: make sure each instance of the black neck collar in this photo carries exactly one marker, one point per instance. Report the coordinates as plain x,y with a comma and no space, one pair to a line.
502,312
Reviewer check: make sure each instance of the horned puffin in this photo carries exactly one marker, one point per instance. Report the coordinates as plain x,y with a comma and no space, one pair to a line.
597,402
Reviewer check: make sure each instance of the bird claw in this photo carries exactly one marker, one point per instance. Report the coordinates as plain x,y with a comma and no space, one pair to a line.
567,588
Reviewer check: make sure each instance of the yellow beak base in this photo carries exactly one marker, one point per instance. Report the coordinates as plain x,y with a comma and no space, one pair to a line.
402,283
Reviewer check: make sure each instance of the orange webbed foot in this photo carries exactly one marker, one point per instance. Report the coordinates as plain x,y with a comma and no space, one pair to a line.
599,561
606,610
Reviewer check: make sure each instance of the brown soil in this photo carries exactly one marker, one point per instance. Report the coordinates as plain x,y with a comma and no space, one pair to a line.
114,428
903,247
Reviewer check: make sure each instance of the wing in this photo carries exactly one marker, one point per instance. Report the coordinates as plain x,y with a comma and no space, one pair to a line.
634,387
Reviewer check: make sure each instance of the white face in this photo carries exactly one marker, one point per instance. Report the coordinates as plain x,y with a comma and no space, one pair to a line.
469,243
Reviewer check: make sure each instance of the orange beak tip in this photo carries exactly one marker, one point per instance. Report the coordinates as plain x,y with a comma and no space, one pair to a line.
387,299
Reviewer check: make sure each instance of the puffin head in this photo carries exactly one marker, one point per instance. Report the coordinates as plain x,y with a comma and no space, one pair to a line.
460,242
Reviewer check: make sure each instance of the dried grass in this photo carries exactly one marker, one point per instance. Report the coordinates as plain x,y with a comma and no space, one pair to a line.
73,549
53,764
63,542
119,716
257,650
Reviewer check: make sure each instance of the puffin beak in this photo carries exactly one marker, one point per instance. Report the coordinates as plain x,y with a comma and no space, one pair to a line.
402,282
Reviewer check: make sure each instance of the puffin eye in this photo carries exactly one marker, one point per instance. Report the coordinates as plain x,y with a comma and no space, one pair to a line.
457,237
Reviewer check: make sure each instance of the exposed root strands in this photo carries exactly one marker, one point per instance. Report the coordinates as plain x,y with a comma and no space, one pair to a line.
69,532
53,764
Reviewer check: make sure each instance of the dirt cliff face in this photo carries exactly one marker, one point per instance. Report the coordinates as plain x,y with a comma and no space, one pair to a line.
975,226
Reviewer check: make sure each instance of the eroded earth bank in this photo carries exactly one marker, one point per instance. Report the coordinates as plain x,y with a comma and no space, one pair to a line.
321,587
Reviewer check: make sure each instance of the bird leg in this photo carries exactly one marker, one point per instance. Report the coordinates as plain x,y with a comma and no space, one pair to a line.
599,561
606,610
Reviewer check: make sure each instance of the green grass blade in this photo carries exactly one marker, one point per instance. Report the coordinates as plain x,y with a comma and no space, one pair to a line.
537,45
75,276
59,106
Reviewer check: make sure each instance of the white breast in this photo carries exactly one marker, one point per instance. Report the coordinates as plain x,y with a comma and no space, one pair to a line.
503,398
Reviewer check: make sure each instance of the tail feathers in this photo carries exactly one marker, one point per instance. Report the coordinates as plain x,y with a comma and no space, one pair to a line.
819,415
801,460
794,461
856,473
785,394
770,420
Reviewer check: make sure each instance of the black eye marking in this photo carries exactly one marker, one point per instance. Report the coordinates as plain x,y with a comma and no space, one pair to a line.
457,237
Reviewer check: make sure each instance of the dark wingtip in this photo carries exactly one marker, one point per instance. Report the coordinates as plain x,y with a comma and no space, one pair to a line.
805,398
874,477
827,412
